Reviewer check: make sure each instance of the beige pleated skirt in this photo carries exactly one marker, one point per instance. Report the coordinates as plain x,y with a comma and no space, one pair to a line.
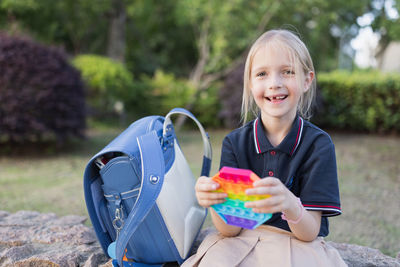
264,246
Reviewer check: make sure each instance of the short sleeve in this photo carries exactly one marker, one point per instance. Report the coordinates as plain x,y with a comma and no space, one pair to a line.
228,157
319,183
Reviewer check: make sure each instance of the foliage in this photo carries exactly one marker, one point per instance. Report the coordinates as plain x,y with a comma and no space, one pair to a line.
20,6
165,91
213,21
314,19
166,34
199,40
41,95
155,40
207,106
366,101
78,25
108,83
320,23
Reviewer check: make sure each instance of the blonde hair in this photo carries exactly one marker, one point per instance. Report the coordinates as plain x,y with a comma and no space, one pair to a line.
299,55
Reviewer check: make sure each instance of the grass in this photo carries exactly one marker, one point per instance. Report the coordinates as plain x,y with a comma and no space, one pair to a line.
49,182
369,177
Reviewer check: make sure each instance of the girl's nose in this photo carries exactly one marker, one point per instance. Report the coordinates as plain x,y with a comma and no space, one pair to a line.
275,81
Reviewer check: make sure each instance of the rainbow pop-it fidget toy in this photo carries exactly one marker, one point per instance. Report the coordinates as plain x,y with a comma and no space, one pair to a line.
234,182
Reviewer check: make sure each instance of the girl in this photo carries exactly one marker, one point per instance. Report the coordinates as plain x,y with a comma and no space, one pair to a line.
296,159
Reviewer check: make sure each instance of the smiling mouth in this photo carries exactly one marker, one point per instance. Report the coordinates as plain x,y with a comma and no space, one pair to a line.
276,98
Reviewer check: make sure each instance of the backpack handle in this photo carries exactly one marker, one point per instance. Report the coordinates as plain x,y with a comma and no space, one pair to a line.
152,180
205,170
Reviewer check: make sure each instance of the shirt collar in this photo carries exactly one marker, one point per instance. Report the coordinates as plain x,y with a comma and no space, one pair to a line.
288,145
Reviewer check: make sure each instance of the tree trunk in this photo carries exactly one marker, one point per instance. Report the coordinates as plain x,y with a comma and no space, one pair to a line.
117,31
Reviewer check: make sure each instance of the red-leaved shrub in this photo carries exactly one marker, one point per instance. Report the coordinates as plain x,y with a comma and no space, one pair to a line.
41,94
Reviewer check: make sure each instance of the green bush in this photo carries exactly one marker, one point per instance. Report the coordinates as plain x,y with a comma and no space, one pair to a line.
168,92
207,108
108,83
364,101
164,92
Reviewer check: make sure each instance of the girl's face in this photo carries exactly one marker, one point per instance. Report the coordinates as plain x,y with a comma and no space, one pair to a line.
275,86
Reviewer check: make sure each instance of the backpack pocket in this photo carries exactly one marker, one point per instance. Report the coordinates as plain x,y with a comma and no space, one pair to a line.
121,186
105,219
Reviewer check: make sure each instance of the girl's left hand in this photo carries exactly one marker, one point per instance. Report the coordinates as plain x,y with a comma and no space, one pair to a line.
280,200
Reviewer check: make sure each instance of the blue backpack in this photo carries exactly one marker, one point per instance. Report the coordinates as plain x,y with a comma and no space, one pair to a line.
139,193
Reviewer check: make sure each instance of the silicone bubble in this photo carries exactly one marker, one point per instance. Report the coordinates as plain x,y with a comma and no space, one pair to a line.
234,182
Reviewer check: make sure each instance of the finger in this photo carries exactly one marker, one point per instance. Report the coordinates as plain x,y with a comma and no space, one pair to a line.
206,195
257,191
268,181
209,202
268,209
265,203
203,179
266,190
206,186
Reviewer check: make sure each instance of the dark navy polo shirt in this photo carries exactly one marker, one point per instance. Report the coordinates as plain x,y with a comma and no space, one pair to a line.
304,161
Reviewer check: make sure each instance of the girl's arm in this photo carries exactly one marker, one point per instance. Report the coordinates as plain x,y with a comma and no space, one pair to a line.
308,227
283,200
222,227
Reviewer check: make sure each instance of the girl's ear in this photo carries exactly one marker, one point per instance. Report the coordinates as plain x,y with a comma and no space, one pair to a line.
309,77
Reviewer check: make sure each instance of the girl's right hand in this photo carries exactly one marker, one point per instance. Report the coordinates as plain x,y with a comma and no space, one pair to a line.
205,196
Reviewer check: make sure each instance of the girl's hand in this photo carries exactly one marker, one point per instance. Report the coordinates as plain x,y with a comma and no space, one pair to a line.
280,200
205,196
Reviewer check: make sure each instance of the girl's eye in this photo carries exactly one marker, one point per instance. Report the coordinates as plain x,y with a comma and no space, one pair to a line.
288,72
262,73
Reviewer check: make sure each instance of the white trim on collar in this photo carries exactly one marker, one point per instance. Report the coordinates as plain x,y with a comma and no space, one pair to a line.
298,138
256,143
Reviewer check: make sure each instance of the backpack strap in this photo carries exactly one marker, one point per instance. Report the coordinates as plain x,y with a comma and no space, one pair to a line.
205,170
152,179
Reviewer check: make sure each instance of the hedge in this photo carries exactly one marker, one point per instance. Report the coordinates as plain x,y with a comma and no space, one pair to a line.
361,101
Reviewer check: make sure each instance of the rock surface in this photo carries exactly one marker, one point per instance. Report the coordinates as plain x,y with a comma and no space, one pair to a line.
29,238
355,255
